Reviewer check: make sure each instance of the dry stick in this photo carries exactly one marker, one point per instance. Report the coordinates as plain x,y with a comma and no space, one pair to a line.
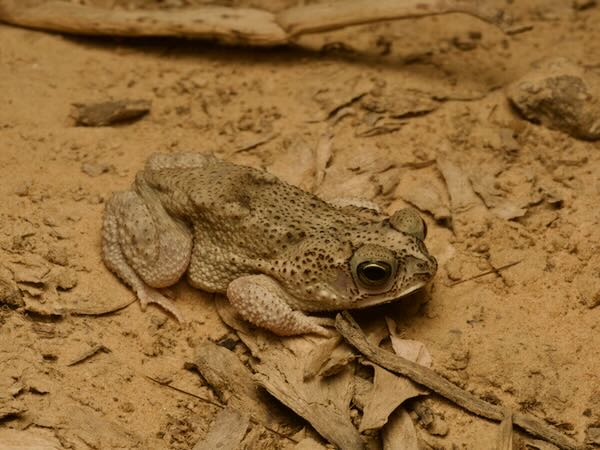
495,270
348,328
330,16
246,26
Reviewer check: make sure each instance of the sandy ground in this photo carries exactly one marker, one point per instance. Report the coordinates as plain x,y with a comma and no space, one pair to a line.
526,336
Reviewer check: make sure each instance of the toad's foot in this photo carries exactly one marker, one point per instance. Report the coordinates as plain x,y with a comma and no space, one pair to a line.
148,295
261,300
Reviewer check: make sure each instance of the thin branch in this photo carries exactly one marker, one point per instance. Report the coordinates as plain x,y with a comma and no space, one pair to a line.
495,270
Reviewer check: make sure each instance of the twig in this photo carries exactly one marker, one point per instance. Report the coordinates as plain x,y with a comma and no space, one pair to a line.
191,394
495,270
99,311
256,143
328,16
89,353
348,328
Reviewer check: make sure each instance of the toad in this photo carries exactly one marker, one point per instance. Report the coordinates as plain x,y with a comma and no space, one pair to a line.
275,250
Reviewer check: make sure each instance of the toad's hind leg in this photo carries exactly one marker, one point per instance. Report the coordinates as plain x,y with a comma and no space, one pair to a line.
145,246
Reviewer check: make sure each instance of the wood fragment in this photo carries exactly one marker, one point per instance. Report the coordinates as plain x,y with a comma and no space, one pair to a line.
226,432
350,330
232,381
234,26
327,16
261,140
505,441
89,353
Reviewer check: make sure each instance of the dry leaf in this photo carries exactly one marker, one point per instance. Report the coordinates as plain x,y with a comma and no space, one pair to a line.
295,162
389,391
226,432
232,381
412,350
462,197
399,433
423,193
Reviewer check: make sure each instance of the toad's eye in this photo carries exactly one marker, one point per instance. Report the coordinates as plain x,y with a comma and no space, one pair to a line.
374,268
374,273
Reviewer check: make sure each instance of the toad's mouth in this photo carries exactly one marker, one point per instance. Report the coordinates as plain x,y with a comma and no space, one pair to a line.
388,297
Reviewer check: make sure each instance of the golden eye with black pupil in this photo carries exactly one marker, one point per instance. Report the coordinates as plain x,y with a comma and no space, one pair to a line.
374,273
374,268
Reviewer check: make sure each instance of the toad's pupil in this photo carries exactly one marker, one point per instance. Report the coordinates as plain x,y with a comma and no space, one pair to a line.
375,272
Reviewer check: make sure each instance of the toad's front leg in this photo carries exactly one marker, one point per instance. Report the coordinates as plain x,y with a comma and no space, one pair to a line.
262,301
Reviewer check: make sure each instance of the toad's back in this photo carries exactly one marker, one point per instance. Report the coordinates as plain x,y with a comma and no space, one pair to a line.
245,208
244,220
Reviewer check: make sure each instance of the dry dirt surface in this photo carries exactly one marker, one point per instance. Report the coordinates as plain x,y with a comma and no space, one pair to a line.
404,112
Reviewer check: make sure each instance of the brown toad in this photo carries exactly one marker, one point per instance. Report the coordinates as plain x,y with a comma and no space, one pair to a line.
274,249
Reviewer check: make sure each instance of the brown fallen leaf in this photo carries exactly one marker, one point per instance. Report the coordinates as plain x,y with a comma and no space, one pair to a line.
399,433
319,356
327,412
295,162
462,197
226,432
389,391
409,349
493,198
109,112
423,195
